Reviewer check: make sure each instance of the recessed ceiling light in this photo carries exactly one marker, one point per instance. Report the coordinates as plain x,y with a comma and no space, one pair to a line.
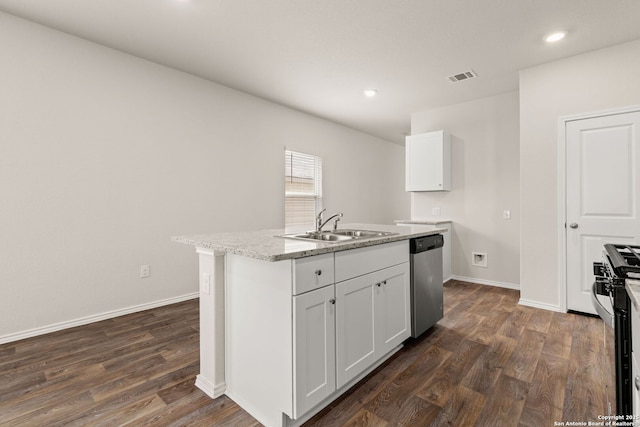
552,38
370,92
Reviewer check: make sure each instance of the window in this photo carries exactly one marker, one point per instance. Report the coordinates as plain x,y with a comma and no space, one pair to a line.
302,190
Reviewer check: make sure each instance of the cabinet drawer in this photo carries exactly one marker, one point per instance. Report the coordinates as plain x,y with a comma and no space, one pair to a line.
312,273
356,262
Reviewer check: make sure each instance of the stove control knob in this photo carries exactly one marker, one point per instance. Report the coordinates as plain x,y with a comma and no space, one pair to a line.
598,269
573,225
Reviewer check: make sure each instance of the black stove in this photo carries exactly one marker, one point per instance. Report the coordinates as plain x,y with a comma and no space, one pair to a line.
619,263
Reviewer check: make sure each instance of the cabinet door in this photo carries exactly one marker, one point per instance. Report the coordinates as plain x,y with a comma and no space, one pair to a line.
314,347
428,156
392,307
355,331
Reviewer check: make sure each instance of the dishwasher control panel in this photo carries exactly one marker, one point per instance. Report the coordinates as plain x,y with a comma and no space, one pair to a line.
427,243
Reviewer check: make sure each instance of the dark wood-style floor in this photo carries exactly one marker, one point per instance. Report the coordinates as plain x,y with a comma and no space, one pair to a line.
489,362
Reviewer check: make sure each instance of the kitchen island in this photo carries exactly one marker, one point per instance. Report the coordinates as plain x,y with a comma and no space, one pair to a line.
287,325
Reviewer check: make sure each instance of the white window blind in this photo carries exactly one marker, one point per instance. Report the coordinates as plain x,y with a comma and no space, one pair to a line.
302,190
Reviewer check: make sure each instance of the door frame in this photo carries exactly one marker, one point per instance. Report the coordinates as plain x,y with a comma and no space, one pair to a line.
562,191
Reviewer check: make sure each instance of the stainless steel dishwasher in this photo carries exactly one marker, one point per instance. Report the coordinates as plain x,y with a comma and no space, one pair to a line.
426,283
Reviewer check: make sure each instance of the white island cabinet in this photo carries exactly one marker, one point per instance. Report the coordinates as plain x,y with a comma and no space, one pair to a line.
301,332
286,326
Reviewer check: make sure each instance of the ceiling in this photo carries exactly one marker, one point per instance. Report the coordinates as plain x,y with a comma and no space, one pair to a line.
318,56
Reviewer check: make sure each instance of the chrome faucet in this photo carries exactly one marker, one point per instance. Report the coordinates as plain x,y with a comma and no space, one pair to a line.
320,223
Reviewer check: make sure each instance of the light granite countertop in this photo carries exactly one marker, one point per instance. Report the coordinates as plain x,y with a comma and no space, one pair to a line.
426,221
633,290
269,245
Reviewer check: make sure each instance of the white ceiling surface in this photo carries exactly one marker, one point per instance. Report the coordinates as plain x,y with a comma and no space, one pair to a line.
319,55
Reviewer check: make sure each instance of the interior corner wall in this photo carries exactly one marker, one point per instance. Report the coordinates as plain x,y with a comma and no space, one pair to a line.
601,80
104,156
485,182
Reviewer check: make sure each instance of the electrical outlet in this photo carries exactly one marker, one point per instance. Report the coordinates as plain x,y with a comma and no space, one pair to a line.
205,286
144,271
506,214
479,259
435,211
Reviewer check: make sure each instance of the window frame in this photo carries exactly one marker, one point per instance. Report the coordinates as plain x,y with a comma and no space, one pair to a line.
303,190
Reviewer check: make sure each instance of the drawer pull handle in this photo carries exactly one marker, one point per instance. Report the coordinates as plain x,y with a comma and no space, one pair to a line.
318,272
637,382
378,284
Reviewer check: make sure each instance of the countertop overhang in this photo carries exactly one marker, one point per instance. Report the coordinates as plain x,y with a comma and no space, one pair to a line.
269,245
633,290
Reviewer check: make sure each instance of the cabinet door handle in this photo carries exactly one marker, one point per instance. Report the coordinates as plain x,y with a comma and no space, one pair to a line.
384,282
318,272
332,300
378,284
637,382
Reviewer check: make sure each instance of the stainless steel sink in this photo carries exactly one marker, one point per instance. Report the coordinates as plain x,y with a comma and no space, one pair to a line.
363,234
324,237
338,236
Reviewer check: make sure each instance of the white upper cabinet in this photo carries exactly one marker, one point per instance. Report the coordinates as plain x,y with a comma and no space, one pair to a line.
428,161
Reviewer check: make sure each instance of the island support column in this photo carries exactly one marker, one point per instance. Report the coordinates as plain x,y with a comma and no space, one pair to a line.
211,379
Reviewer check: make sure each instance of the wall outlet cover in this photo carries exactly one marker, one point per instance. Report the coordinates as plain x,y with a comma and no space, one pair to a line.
144,271
206,283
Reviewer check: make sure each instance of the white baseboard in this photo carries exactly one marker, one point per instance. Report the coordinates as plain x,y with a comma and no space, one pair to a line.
542,305
94,318
486,282
209,388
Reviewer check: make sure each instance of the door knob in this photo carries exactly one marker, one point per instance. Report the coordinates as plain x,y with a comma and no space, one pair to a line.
573,225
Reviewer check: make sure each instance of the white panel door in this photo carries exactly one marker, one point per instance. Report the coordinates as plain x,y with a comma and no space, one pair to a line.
603,154
355,331
314,363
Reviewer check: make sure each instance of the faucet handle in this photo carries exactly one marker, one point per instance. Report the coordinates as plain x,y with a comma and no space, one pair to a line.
320,214
335,223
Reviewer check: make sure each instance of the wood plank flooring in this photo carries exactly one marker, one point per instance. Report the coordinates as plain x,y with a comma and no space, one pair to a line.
489,362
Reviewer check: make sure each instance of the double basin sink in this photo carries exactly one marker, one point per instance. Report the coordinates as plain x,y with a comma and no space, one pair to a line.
337,236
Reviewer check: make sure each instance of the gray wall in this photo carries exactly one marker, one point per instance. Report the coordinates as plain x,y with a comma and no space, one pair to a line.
485,182
603,79
104,156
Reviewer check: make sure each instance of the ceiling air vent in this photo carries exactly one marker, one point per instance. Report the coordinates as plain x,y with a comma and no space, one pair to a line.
462,76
